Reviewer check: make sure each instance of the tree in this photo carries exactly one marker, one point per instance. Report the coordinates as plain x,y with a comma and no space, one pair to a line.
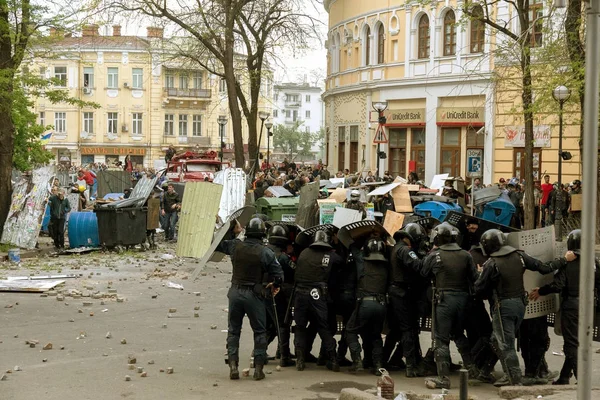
234,39
293,141
514,47
29,149
22,24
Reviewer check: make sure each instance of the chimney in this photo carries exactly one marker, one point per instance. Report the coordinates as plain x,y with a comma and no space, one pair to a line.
90,30
154,32
116,30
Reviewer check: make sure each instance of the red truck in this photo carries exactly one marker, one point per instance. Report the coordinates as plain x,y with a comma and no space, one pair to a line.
194,167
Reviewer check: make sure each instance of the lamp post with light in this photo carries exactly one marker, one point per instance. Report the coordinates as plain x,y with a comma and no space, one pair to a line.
561,94
269,125
380,107
222,120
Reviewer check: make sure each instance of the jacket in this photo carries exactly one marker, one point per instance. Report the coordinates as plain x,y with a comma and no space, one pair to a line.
58,208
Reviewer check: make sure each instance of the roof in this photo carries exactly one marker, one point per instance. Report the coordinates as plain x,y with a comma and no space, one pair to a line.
296,86
105,42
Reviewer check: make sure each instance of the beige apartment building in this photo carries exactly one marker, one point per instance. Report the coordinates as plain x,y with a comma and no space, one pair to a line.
433,70
148,100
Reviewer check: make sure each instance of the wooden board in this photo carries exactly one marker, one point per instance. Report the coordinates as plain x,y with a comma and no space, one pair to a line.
401,198
153,219
340,195
307,205
29,286
393,221
197,218
576,202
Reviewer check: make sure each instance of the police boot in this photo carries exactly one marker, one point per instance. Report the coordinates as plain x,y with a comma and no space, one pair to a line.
322,360
286,357
377,367
258,372
300,360
485,372
356,361
233,370
441,381
565,373
332,363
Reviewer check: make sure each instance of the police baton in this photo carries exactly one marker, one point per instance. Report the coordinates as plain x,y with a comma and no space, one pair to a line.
276,321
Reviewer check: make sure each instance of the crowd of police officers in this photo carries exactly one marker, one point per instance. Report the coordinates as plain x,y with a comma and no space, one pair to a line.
371,283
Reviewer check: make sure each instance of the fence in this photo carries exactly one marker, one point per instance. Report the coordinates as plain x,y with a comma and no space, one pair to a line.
113,182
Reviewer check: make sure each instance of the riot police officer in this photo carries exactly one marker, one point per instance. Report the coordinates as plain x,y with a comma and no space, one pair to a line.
566,281
369,315
312,276
405,292
454,274
279,241
502,282
355,204
250,259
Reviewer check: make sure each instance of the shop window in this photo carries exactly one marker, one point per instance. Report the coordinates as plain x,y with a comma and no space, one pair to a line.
423,46
477,30
87,159
450,152
354,148
474,142
417,150
397,156
519,163
137,161
449,34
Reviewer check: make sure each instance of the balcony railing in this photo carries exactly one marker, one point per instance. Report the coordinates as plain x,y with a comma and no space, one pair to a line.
190,93
297,103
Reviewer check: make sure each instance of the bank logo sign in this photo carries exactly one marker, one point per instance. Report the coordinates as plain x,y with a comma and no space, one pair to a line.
406,116
460,115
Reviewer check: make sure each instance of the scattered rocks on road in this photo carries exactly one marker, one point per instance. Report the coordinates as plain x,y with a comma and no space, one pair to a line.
48,346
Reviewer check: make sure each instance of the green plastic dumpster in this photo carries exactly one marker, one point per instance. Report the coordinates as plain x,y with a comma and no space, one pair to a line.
278,208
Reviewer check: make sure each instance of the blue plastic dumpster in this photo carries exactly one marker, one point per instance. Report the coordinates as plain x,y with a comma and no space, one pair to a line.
436,209
499,211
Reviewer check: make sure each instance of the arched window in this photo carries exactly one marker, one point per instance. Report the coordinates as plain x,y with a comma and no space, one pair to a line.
367,39
477,30
380,44
424,37
449,34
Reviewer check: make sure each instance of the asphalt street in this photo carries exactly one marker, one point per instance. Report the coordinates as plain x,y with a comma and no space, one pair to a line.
131,312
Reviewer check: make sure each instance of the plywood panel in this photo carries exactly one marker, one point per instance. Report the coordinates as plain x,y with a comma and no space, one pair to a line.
197,219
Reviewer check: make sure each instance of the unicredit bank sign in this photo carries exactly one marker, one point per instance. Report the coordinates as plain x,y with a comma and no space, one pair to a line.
406,117
460,116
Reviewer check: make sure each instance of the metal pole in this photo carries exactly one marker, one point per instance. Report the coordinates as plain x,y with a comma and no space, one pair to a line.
464,385
588,214
558,203
268,146
221,128
378,160
256,166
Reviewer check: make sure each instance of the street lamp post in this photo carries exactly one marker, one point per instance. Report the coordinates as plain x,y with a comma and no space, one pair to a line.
561,94
269,125
380,107
222,120
263,115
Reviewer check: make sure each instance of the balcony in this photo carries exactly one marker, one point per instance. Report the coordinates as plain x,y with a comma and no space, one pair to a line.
187,93
293,104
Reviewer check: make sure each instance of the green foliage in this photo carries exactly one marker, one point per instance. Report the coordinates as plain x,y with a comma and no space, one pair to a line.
29,150
294,141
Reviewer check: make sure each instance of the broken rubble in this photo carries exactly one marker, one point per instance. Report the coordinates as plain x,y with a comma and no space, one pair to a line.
48,346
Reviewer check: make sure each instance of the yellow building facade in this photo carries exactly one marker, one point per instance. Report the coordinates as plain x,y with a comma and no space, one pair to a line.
148,100
445,112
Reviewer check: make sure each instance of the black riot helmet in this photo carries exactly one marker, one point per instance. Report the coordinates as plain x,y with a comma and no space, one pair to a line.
574,241
413,232
491,241
374,250
443,234
278,235
256,228
321,239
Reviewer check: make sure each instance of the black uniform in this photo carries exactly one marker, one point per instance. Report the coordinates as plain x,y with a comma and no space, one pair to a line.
313,269
344,299
479,329
282,301
454,273
370,311
502,282
250,259
566,281
405,293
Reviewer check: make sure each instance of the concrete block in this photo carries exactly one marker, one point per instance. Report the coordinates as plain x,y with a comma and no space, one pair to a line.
513,392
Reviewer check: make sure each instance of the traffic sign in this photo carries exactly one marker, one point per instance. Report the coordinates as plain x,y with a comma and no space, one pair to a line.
380,136
474,163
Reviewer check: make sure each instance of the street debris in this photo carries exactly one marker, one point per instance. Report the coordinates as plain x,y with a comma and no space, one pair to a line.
48,346
174,285
127,378
123,341
29,286
169,370
108,335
